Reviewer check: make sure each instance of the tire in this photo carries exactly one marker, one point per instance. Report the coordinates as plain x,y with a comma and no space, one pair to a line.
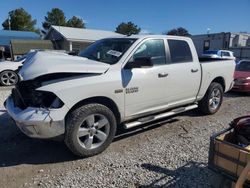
96,125
212,100
8,78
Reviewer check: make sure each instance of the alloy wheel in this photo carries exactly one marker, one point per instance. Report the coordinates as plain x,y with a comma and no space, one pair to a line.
94,131
215,99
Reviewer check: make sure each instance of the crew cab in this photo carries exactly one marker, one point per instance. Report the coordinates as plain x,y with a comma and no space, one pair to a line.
126,81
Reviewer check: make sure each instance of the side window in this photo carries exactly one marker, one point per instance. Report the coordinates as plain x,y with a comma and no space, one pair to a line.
179,51
225,54
153,48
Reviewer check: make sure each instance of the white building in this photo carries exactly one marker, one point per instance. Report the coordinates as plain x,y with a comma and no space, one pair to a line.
75,39
240,40
239,43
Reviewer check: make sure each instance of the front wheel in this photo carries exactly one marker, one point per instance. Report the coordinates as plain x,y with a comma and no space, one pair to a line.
212,100
90,129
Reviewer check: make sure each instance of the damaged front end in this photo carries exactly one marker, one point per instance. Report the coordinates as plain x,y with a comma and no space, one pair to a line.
25,95
34,105
38,114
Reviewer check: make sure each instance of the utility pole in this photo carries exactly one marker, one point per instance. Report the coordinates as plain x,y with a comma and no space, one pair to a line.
208,31
9,22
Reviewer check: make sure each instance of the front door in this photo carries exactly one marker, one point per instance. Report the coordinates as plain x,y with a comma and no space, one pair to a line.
145,87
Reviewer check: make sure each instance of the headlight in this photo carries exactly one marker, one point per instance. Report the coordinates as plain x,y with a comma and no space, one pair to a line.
46,99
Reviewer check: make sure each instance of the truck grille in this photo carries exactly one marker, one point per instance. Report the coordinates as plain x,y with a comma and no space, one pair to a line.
23,94
17,99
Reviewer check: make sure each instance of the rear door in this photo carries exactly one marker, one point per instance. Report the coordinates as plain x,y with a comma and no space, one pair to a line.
184,73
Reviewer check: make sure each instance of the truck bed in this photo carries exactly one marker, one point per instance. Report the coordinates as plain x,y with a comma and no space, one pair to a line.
216,68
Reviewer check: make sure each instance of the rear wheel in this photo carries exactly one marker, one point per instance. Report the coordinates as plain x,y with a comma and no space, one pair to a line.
8,78
212,100
90,129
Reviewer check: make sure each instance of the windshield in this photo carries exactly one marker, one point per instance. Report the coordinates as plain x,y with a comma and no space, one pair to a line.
243,66
211,52
107,50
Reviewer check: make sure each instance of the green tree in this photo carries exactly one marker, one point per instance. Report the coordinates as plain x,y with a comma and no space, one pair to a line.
128,28
180,31
54,17
19,20
76,22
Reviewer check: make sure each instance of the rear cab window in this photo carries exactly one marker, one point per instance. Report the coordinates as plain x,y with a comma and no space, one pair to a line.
180,51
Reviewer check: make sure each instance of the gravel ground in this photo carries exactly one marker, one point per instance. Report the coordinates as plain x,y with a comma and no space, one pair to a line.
171,153
4,93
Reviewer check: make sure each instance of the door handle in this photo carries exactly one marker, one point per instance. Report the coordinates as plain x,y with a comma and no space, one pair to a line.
194,70
162,75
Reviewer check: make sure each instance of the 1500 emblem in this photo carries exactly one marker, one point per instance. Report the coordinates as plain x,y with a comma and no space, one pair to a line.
132,90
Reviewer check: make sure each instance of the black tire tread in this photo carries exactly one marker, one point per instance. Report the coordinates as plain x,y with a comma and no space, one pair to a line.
76,115
203,104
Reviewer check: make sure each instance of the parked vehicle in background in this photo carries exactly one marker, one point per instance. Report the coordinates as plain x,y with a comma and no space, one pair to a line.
8,71
242,76
126,81
218,54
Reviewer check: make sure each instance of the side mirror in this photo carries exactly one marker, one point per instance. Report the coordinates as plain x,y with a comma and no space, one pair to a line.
140,62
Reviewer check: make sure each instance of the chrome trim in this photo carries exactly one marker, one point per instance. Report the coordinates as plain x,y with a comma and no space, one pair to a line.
158,116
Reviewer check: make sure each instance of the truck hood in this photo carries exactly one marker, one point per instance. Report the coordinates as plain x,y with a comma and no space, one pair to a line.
44,63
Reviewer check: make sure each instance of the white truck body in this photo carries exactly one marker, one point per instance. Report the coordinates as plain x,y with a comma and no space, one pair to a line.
134,92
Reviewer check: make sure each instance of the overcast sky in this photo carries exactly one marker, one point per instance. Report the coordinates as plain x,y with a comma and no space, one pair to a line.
152,16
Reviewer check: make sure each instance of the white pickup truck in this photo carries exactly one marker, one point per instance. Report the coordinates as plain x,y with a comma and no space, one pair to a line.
125,81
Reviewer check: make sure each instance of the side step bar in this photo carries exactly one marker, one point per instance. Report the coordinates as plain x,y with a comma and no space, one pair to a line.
158,116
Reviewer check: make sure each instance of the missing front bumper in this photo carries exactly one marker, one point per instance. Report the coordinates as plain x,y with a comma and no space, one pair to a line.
38,122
